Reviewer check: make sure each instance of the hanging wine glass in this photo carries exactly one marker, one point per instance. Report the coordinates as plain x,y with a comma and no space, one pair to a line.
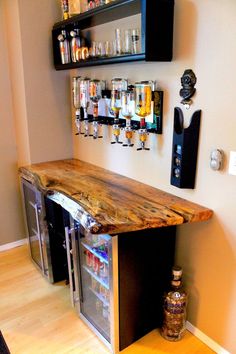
84,103
76,102
118,85
143,98
95,93
128,110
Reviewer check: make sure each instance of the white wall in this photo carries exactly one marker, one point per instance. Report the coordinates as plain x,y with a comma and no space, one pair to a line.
40,94
204,41
11,226
34,106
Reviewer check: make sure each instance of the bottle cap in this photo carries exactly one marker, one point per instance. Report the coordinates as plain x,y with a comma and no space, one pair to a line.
177,271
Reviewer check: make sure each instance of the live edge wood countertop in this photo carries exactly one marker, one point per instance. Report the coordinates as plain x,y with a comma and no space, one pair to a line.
110,203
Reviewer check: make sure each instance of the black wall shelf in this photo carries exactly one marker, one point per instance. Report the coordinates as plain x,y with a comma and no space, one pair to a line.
101,61
103,14
157,17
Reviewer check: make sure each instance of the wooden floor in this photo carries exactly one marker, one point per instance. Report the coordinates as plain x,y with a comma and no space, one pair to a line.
37,317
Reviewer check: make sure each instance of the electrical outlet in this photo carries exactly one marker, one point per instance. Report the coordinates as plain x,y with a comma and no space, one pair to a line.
232,163
216,159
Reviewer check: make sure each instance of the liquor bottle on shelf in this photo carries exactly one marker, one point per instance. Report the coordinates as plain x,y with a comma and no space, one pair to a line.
75,43
91,4
74,7
64,47
118,85
174,312
135,41
65,9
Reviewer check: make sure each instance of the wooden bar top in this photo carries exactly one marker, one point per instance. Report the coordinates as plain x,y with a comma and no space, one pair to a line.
107,202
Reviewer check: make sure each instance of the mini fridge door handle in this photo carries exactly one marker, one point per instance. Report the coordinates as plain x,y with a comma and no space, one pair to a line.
68,252
75,256
36,208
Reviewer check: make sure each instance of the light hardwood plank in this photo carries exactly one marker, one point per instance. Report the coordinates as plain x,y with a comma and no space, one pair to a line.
110,203
37,318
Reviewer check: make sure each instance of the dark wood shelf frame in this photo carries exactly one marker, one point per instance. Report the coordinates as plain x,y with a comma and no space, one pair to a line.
157,18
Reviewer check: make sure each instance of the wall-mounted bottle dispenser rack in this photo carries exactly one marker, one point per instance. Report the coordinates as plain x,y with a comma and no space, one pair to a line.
125,107
153,121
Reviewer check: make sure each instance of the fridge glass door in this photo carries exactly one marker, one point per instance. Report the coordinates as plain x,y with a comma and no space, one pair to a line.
31,205
95,256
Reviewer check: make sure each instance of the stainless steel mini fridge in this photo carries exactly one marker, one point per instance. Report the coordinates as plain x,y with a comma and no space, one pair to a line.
93,275
117,282
45,229
35,216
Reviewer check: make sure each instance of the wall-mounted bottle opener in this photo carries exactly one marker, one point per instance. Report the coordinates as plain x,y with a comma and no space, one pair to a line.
188,81
185,140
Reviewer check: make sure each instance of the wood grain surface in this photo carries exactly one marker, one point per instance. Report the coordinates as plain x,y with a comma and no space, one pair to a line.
111,203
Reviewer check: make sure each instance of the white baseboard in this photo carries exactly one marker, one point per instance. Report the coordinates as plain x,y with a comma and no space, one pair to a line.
205,339
10,245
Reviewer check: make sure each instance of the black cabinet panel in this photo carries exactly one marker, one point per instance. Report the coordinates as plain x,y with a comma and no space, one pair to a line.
145,262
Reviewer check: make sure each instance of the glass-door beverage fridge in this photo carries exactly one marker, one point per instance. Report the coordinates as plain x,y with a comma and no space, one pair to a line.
93,275
45,231
96,281
117,282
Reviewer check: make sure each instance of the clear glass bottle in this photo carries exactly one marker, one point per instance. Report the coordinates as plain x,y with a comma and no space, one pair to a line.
95,93
75,43
128,110
76,102
174,311
65,9
84,103
74,7
135,41
143,102
118,85
64,47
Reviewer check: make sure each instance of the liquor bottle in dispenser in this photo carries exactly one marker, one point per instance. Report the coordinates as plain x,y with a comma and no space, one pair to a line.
143,98
84,103
174,311
95,93
128,110
76,102
118,85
